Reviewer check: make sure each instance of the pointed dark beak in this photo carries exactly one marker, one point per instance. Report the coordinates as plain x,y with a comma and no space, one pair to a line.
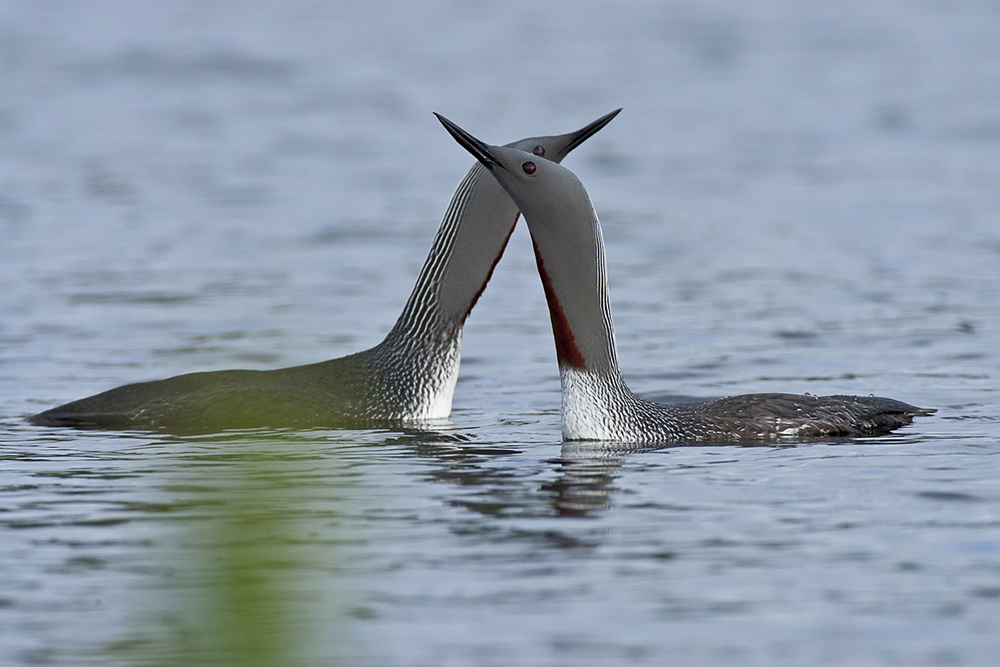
587,132
479,150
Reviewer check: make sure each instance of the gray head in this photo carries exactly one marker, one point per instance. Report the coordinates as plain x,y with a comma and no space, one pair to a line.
548,194
568,248
558,146
482,216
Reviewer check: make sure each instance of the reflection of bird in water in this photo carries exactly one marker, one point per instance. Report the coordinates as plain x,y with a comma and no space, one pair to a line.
409,376
585,482
596,403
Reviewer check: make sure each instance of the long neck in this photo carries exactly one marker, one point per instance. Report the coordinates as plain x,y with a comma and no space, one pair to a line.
596,402
466,248
416,365
570,261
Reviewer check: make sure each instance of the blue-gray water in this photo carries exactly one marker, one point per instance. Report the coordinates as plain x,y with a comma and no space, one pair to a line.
798,197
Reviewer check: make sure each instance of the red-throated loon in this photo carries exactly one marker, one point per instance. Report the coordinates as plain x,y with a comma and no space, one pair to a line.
596,403
408,377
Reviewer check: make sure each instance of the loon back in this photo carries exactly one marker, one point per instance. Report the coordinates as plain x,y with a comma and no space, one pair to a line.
745,418
348,392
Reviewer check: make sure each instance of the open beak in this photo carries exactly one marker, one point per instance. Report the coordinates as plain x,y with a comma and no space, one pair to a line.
479,150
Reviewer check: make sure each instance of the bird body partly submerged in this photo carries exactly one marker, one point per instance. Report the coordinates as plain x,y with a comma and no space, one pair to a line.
358,390
624,417
409,377
596,402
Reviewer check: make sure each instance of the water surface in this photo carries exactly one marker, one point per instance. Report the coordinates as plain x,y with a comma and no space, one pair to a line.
794,199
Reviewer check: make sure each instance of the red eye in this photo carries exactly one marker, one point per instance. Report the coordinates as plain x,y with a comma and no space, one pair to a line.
539,151
528,167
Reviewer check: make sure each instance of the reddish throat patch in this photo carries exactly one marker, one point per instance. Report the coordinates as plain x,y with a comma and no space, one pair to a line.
489,274
566,350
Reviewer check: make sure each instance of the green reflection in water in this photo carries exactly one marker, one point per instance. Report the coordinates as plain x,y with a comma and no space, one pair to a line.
250,579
